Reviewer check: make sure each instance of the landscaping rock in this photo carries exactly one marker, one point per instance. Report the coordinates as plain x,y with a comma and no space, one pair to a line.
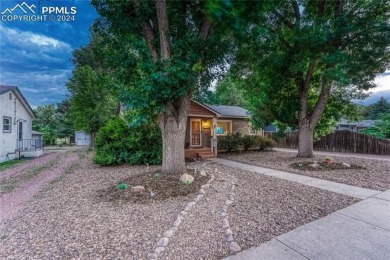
159,250
163,242
203,173
225,223
229,238
346,164
152,256
314,165
234,247
186,178
137,189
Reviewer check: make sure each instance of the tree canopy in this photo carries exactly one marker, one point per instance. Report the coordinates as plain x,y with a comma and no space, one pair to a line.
303,61
376,110
169,51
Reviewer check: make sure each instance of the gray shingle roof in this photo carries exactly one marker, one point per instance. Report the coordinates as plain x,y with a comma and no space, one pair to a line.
5,89
367,122
230,111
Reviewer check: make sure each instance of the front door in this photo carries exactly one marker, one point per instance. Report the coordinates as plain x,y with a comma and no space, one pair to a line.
196,132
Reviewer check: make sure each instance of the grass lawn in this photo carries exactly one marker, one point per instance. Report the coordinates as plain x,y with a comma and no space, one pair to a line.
8,164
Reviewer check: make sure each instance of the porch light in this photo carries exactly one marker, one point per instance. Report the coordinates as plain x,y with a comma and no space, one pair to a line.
206,124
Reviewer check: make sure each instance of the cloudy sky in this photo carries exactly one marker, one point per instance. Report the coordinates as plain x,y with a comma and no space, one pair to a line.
35,55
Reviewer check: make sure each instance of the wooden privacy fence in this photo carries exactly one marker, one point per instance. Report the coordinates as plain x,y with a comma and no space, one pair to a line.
341,141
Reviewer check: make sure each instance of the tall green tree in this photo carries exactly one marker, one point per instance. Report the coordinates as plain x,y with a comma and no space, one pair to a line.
169,51
374,111
64,122
46,122
92,102
303,59
381,129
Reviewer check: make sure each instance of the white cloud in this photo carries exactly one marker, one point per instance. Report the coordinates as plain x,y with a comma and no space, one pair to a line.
383,82
29,40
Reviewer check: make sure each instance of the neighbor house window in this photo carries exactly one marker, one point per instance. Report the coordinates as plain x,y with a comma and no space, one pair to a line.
20,132
6,124
224,127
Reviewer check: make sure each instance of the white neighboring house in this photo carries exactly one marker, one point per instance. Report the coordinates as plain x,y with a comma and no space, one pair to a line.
16,135
82,138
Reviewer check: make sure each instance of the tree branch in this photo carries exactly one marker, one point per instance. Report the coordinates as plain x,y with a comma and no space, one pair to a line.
297,13
148,34
321,8
339,8
163,28
321,103
309,74
149,37
284,20
205,29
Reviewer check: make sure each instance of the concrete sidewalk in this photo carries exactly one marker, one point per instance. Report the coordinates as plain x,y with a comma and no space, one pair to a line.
360,231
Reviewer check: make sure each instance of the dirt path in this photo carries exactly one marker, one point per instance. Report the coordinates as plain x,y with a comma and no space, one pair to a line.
31,178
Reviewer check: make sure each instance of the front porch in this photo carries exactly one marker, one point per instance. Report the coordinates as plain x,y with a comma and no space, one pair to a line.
201,152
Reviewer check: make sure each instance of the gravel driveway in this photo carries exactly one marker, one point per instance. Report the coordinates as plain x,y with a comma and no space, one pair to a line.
239,209
374,175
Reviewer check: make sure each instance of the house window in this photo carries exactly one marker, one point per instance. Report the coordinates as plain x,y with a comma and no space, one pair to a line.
20,132
224,127
10,96
7,124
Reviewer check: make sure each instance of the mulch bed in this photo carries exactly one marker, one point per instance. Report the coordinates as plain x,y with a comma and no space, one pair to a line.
157,187
323,166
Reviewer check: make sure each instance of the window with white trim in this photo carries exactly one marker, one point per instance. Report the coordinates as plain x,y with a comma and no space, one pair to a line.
7,124
224,127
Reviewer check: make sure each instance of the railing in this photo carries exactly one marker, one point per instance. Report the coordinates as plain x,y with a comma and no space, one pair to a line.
29,144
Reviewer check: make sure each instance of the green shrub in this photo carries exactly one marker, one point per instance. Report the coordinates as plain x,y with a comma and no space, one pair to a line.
248,141
118,143
229,142
264,142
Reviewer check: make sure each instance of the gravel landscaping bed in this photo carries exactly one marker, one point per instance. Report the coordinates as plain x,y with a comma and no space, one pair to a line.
233,211
371,174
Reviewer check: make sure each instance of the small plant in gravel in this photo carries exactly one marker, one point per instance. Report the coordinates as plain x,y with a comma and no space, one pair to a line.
158,175
121,186
299,165
328,160
188,183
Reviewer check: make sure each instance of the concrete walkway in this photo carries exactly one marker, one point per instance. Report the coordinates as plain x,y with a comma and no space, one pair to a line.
360,231
344,189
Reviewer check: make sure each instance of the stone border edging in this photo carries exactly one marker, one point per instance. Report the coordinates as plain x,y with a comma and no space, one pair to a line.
164,241
233,246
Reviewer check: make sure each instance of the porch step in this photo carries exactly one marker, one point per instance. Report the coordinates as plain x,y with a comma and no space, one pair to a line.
194,152
205,155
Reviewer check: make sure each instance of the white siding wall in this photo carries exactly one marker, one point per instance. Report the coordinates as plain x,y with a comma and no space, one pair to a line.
8,140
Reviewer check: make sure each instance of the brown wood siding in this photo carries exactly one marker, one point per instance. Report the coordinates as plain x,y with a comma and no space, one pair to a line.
197,110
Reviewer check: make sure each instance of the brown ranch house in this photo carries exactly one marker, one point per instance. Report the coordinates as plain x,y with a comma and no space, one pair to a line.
207,122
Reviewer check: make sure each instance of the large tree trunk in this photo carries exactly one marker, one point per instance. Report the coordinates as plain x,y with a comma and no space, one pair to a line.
305,139
173,124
